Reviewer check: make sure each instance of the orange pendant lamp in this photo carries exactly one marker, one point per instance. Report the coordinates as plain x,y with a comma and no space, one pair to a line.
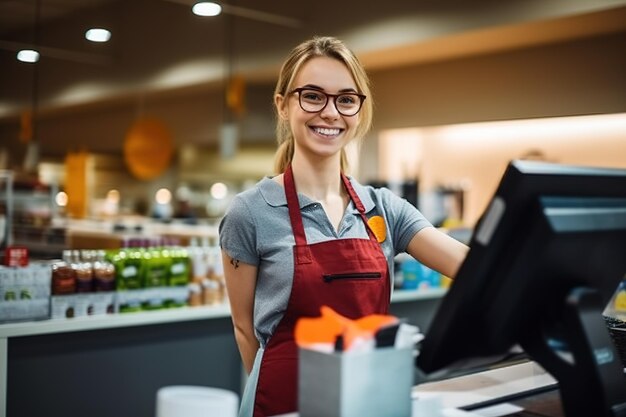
148,148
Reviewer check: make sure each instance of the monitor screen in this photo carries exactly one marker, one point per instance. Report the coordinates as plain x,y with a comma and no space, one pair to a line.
544,260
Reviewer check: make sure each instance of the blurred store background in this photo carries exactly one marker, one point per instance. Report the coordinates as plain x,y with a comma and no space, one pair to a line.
172,116
121,148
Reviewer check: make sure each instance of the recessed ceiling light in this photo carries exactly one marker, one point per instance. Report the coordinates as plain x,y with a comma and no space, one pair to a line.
206,8
28,55
98,35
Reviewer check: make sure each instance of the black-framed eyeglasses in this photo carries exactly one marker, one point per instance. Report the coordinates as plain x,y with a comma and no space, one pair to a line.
314,101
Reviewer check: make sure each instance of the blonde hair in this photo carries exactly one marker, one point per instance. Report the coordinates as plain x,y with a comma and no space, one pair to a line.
319,47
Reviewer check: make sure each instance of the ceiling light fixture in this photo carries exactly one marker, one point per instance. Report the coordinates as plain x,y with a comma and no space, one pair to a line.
57,53
98,35
202,8
28,55
206,8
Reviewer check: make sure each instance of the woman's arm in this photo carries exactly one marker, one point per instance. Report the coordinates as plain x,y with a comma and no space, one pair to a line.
437,251
241,284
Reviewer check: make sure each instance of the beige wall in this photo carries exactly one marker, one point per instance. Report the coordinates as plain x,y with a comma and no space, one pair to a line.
574,78
474,156
580,77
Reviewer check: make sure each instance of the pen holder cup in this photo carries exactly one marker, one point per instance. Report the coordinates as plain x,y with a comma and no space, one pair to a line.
356,384
617,331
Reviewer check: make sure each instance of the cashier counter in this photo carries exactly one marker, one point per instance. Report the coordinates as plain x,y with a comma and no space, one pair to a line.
517,389
113,365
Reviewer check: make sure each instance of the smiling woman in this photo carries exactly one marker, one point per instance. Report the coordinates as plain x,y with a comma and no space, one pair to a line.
340,61
275,270
321,127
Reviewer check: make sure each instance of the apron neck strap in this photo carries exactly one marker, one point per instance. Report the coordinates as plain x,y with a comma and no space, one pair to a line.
294,207
359,206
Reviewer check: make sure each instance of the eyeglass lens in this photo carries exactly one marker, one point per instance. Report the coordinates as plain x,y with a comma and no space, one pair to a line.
313,101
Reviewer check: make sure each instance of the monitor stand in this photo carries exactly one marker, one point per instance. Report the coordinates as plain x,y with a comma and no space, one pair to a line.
590,376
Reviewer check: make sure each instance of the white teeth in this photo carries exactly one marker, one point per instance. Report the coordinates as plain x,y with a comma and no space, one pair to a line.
326,131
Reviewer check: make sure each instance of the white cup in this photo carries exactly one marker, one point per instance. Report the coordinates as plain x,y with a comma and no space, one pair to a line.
195,401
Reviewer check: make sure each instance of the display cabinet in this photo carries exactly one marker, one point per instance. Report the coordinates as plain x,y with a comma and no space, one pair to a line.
27,213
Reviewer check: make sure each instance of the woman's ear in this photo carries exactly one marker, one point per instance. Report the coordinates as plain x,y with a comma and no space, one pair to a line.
279,102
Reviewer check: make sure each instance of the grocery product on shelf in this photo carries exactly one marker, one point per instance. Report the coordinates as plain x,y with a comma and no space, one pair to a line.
148,274
103,273
63,275
25,292
208,272
83,265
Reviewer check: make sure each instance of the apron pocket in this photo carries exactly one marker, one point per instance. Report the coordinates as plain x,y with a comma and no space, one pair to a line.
351,276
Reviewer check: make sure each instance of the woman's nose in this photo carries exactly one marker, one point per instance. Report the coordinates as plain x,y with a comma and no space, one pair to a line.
330,110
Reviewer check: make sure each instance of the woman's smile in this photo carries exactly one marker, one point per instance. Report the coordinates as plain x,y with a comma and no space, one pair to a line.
326,132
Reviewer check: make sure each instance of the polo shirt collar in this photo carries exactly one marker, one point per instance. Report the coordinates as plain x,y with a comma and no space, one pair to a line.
274,195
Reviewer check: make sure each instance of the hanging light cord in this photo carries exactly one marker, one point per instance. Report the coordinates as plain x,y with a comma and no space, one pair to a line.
35,90
229,54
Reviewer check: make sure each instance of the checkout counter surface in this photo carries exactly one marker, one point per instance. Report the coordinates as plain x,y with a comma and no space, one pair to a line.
200,338
495,392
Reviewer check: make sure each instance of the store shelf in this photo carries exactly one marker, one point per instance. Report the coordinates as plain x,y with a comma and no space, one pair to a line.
108,321
26,197
400,296
29,212
41,246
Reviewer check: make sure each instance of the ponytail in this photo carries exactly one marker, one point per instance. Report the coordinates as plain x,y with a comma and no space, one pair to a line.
283,157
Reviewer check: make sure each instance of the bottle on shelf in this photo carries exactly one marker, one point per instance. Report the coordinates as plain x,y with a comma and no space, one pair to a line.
198,262
103,273
215,272
128,263
211,292
63,275
156,261
180,266
195,294
63,283
84,270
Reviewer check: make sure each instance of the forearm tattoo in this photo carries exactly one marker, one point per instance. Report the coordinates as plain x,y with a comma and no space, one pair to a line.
234,262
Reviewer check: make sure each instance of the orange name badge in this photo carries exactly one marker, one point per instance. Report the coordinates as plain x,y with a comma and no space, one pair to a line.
377,224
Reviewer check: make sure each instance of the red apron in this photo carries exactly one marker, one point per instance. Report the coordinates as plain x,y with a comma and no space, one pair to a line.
349,275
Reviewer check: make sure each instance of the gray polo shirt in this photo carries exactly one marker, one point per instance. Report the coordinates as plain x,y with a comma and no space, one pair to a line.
256,230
